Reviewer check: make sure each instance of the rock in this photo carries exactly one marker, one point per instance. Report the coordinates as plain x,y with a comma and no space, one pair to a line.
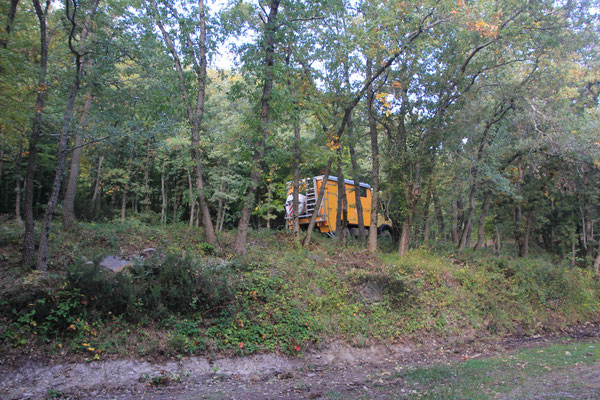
371,292
148,251
115,264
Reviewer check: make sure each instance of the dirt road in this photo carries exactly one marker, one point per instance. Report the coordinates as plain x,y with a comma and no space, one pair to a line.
334,371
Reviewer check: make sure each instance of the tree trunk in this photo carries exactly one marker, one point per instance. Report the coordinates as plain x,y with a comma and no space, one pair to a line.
454,222
18,184
487,196
259,151
42,256
426,216
341,198
222,221
321,194
374,164
12,11
405,234
125,190
29,238
497,242
468,223
192,199
362,233
597,264
96,195
296,180
195,113
69,199
147,167
439,216
220,203
163,193
524,248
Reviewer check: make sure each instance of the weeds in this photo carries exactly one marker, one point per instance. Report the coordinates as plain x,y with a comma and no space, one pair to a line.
197,299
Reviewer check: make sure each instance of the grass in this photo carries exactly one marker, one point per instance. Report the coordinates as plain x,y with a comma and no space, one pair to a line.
192,298
527,370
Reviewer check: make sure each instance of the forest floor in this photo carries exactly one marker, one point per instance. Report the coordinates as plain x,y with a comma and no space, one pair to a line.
556,366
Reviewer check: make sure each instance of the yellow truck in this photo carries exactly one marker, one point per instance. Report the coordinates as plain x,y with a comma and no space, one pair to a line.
327,213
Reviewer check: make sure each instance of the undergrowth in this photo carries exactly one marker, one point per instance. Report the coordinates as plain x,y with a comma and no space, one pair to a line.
191,297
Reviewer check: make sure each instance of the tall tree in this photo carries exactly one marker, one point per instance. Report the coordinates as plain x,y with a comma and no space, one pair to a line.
196,51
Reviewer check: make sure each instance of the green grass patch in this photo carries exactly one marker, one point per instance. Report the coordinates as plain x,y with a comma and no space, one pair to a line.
489,378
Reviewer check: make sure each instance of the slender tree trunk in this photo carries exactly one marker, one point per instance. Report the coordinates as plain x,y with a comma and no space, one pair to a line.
12,11
29,238
222,221
497,242
195,113
597,263
259,152
163,210
42,256
439,216
125,190
96,195
589,235
374,164
405,234
321,194
69,200
426,216
192,199
341,199
454,222
147,167
487,196
468,223
18,184
357,197
296,180
524,247
220,203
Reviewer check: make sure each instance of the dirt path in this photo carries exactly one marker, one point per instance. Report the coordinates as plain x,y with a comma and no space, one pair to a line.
335,371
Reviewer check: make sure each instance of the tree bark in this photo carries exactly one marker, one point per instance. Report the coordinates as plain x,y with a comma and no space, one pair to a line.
487,196
362,233
18,184
374,164
524,248
42,256
96,195
29,238
454,222
341,197
404,244
147,167
163,193
125,190
69,200
439,216
12,12
259,151
597,264
321,194
192,199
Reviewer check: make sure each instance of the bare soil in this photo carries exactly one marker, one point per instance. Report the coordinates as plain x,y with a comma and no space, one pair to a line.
335,370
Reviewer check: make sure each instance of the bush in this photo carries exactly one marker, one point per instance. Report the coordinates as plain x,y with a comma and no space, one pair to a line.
152,289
